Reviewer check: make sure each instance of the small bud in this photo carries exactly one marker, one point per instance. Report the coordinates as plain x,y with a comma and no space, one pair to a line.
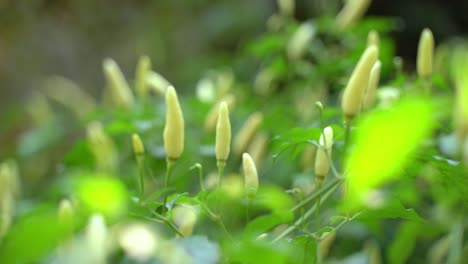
174,129
212,116
102,147
9,178
65,211
319,105
326,244
157,82
206,90
308,157
388,96
286,7
425,54
371,91
304,184
258,148
40,110
69,94
185,218
323,157
251,176
465,151
121,93
66,215
373,39
264,83
138,147
7,210
351,13
97,239
300,40
438,251
398,64
247,132
358,83
139,241
142,71
225,80
223,133
460,117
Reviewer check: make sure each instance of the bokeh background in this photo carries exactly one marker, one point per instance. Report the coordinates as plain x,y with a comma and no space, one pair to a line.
183,38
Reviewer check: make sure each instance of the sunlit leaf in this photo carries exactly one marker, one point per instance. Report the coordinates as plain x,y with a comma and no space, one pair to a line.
383,144
102,194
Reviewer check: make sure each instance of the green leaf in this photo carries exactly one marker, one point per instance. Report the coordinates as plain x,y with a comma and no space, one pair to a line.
265,223
173,199
256,251
101,193
307,252
273,198
384,141
266,45
391,209
33,236
80,156
121,126
405,240
293,138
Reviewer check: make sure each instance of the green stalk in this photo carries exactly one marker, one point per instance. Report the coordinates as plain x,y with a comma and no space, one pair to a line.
215,218
168,223
169,167
140,162
427,83
316,195
318,208
199,168
306,215
247,211
221,164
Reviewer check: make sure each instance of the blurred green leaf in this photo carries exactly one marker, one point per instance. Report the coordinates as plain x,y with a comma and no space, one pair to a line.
274,198
255,251
101,194
40,138
384,141
307,252
404,242
32,237
80,156
266,45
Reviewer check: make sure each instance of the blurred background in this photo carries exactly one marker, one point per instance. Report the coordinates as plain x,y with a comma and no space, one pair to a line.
70,38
